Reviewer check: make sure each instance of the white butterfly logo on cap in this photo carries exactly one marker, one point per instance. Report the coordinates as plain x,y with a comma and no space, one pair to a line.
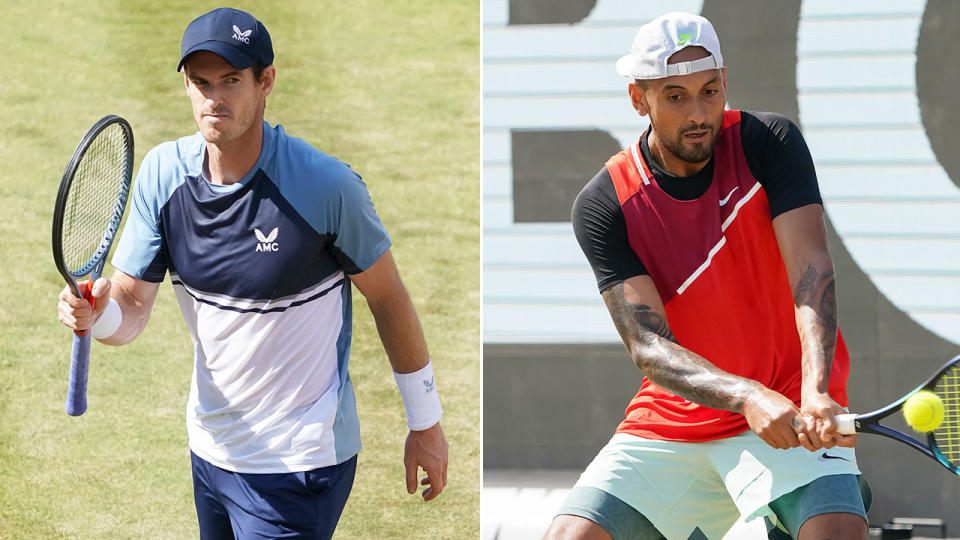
240,35
659,39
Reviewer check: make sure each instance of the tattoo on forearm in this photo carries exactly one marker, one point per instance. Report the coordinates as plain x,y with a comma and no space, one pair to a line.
805,287
828,304
828,316
818,324
655,350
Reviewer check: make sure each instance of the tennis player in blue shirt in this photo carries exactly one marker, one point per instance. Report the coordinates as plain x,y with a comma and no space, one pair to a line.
262,235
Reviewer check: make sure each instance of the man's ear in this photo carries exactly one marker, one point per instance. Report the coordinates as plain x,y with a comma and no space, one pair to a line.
267,78
638,96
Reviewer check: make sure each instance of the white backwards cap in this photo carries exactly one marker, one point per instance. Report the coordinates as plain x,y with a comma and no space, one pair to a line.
660,38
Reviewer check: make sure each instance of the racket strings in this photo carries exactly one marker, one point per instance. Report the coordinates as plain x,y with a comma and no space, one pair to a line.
947,436
91,212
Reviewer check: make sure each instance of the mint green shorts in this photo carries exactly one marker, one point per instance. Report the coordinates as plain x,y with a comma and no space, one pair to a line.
737,487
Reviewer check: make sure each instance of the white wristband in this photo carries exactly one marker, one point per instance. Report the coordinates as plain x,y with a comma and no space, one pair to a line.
109,321
420,397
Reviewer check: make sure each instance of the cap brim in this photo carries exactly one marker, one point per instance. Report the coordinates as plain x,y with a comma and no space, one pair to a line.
234,56
625,65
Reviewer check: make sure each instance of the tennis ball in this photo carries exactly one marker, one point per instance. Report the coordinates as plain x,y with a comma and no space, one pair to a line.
923,411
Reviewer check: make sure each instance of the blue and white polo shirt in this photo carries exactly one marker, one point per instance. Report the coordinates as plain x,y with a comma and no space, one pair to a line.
260,272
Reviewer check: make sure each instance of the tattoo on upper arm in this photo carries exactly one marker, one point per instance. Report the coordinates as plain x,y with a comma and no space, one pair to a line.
625,314
653,321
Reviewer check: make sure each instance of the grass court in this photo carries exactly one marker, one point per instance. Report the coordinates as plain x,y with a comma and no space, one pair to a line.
392,88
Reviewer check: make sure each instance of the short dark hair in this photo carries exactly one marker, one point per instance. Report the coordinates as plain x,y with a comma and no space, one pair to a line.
258,70
642,83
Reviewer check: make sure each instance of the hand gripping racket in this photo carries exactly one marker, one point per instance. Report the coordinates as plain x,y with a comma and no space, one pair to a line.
90,204
943,443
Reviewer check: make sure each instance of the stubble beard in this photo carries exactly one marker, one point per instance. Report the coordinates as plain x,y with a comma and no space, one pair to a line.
225,134
690,153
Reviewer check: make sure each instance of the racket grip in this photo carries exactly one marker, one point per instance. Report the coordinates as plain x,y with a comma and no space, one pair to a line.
846,424
79,362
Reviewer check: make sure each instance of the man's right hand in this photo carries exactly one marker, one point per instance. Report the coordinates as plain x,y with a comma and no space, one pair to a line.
76,313
775,419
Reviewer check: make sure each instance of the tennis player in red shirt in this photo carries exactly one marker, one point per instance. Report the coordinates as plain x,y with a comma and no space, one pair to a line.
707,240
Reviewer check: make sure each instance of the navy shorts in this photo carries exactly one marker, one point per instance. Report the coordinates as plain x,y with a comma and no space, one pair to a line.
283,505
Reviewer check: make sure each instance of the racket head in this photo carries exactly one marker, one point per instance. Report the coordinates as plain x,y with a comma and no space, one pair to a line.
943,443
945,440
91,200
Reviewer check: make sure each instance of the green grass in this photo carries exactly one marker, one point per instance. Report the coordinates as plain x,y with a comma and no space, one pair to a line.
391,88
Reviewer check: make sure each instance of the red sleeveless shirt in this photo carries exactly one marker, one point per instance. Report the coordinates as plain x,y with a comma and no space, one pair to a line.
717,266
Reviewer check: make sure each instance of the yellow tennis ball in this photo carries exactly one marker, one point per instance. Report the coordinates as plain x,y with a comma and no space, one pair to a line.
923,411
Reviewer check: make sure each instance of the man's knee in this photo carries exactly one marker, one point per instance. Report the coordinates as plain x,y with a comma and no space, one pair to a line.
835,525
569,527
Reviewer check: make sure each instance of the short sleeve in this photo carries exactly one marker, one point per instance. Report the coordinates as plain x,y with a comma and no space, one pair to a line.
780,160
140,252
601,231
360,236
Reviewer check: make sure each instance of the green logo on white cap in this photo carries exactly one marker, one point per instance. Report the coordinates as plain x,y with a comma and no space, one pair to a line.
684,38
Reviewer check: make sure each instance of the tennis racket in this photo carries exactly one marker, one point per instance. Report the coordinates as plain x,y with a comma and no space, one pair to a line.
943,443
90,204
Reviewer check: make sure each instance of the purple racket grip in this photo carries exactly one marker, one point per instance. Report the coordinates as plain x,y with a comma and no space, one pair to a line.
79,362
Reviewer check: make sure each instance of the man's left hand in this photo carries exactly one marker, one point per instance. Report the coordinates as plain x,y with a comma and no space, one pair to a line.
819,411
426,449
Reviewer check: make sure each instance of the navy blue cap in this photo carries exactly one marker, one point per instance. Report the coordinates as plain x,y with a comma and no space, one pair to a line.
235,35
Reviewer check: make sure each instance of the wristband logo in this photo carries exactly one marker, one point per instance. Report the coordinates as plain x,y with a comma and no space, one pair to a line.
429,385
